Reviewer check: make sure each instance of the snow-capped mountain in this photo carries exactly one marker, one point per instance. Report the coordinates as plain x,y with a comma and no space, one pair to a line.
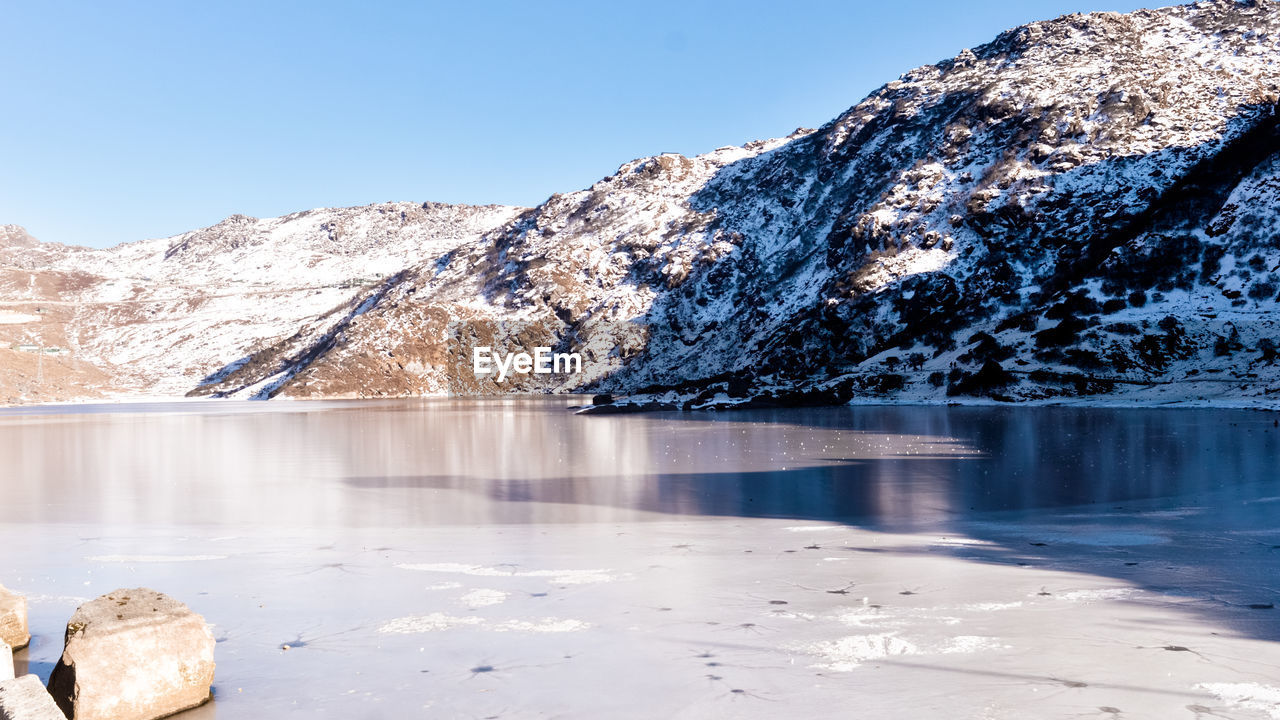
156,317
1084,207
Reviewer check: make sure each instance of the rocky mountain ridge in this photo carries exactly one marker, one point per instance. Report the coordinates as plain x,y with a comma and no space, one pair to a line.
1083,209
156,317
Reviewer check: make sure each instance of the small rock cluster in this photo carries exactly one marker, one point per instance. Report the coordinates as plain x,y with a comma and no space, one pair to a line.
129,655
26,699
13,620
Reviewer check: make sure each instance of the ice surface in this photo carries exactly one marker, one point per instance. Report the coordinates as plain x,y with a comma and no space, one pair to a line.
505,558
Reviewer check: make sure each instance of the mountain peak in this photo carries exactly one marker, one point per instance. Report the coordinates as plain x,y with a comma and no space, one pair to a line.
16,236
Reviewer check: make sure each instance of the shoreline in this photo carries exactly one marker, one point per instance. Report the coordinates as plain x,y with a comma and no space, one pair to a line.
623,406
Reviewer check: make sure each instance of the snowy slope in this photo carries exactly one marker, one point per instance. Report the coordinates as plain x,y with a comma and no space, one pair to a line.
161,315
874,257
1084,207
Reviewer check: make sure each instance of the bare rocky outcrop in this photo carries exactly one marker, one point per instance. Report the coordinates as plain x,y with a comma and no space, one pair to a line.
13,619
25,698
133,654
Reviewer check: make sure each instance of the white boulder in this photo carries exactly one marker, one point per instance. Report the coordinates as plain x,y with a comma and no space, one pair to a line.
26,699
133,655
13,619
6,661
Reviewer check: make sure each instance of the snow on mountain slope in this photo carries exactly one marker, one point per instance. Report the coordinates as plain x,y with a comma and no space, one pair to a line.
971,190
160,315
968,200
1083,207
569,264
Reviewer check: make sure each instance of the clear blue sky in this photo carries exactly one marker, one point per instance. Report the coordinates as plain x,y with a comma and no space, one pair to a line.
129,120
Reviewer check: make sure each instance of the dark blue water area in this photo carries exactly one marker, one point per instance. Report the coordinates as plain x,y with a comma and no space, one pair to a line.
1020,459
906,465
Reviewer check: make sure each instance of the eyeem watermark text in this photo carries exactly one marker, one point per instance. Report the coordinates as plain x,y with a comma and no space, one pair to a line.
485,361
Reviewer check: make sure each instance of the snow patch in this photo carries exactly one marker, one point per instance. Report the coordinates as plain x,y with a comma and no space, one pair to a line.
1247,696
545,625
483,598
152,558
1097,595
562,577
436,622
991,607
427,623
848,653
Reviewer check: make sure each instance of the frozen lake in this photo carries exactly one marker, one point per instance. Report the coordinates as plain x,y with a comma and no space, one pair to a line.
504,558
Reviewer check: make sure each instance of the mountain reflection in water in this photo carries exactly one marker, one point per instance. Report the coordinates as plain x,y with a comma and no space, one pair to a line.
529,460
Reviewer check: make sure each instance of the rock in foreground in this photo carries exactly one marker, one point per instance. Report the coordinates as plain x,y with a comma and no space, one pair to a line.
133,655
13,619
6,661
26,699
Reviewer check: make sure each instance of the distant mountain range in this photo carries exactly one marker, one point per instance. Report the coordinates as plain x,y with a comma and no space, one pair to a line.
1083,210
